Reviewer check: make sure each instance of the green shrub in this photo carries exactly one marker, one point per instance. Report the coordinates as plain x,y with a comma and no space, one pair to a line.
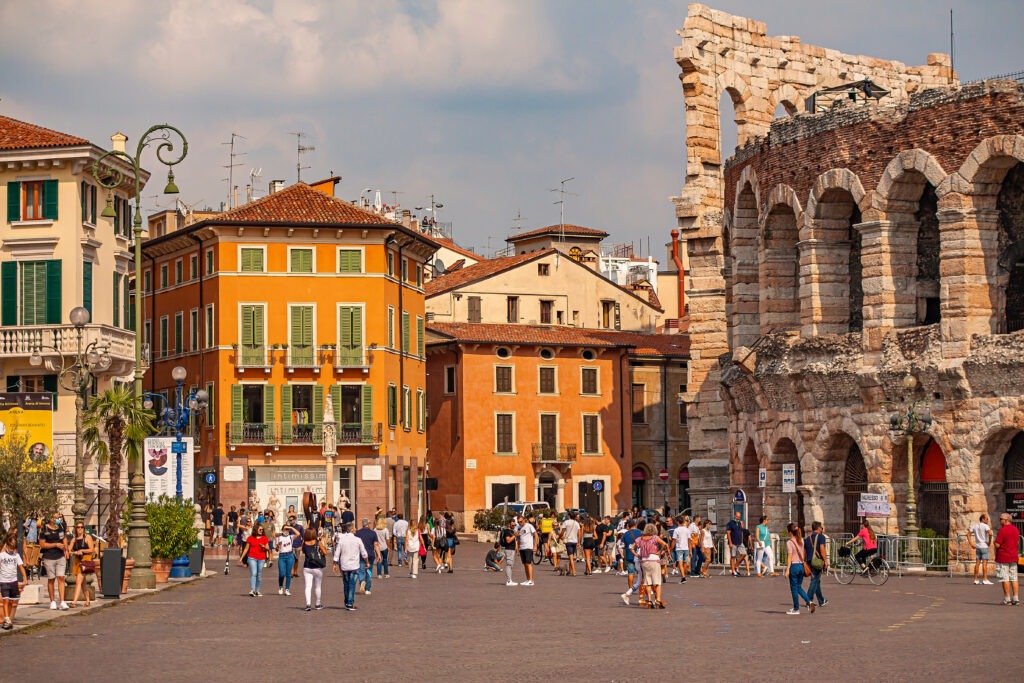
171,529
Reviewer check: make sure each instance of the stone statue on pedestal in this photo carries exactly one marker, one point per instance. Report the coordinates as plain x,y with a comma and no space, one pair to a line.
330,428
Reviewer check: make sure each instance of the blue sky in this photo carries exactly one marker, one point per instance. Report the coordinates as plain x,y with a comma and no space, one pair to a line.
487,104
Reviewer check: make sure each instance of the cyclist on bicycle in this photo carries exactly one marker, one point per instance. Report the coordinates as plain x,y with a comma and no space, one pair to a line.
867,536
546,526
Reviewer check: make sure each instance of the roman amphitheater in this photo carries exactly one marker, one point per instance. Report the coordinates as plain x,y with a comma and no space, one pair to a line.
848,263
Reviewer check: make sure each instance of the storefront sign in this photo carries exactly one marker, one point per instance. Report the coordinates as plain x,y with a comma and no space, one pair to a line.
279,487
161,462
30,416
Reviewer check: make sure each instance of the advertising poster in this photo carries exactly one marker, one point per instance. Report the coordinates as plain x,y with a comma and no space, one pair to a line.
30,415
279,487
161,460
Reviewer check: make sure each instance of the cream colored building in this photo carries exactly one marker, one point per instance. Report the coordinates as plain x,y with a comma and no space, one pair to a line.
59,252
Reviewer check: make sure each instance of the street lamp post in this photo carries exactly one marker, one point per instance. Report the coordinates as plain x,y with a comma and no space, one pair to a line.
75,374
111,177
908,420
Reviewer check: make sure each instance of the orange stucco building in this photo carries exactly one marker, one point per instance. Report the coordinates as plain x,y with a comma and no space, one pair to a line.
528,412
282,308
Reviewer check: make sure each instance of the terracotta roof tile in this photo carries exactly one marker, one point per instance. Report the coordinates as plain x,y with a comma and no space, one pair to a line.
449,244
16,134
646,344
484,333
478,271
560,229
300,203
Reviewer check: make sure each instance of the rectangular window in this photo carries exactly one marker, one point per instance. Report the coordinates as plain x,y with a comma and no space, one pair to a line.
162,351
590,436
179,332
390,259
682,405
406,408
547,381
419,275
300,260
210,411
637,404
405,270
87,286
209,261
33,293
117,299
253,351
84,192
147,335
193,329
163,276
350,261
503,433
607,314
421,410
421,349
549,436
503,379
543,269
32,201
179,272
405,332
193,267
512,309
251,259
588,380
392,405
208,339
92,204
449,379
350,335
300,336
475,314
147,281
391,327
545,312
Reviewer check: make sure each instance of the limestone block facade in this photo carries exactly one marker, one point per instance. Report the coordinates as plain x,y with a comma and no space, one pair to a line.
837,254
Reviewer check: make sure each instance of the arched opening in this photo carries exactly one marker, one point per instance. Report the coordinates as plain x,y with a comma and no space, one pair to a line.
855,482
728,130
933,498
856,298
1013,480
929,310
780,271
783,110
547,489
746,288
639,490
1010,204
837,271
683,503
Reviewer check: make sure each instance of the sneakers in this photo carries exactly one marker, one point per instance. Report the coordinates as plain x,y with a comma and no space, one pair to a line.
823,603
675,572
53,605
526,583
1006,601
1016,601
986,582
63,605
792,611
811,607
607,569
511,583
977,583
625,598
280,591
350,608
287,592
252,594
307,609
366,592
319,607
258,594
620,574
7,625
682,580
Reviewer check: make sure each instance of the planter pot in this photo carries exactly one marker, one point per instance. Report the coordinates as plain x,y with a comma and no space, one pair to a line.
162,569
128,565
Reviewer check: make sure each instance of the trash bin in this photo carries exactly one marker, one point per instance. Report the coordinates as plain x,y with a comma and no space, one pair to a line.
112,572
195,559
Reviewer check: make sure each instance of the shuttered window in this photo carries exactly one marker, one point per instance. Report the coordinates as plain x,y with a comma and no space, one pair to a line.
179,332
503,379
163,276
193,329
208,339
590,439
588,380
32,201
391,327
392,405
366,408
179,271
420,337
117,299
163,337
193,266
300,336
87,286
209,261
547,381
503,433
252,350
210,411
33,293
405,332
301,260
406,408
350,335
421,410
350,261
252,260
475,315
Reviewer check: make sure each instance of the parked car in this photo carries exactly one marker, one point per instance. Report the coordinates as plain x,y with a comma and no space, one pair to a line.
520,508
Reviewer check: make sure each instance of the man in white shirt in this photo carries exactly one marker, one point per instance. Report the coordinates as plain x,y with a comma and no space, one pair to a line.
348,551
681,546
571,537
696,555
981,538
526,539
400,530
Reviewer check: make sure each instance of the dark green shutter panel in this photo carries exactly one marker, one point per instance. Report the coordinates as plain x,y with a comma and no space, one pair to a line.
85,202
129,319
286,413
367,408
9,293
13,203
87,286
50,199
268,413
50,385
53,290
336,399
236,414
420,341
392,405
405,332
92,204
318,405
117,300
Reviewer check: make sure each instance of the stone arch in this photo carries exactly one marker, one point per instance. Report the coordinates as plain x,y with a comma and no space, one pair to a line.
746,288
985,167
992,459
838,440
780,261
553,476
783,194
739,92
787,507
787,430
833,179
789,97
898,183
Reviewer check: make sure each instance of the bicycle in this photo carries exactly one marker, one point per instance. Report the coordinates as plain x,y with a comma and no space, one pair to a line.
847,568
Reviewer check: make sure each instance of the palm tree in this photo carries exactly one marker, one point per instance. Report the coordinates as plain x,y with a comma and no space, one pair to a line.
118,415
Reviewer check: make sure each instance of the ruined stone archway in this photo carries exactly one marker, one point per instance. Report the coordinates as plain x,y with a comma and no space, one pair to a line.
746,288
780,270
1010,205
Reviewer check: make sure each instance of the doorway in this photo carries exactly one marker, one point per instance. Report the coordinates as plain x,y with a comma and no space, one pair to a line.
590,500
547,489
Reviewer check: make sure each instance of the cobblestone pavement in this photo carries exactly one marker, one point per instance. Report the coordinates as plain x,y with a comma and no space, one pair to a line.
468,626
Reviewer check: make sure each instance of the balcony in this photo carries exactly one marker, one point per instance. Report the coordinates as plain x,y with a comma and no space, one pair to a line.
303,356
554,453
20,341
252,356
288,434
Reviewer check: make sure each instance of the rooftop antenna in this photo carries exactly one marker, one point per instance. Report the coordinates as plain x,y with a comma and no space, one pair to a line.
952,53
254,173
231,165
394,197
561,206
518,220
434,206
300,149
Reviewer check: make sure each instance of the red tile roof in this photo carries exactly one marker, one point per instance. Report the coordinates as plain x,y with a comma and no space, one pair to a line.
16,134
300,203
479,271
449,244
561,229
483,333
648,344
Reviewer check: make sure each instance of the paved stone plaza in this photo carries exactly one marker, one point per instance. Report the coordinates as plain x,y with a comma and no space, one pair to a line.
470,626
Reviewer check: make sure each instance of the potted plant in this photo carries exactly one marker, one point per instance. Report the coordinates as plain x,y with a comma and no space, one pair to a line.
171,532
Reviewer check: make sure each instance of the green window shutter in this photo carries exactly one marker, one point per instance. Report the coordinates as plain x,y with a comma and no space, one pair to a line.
236,403
349,261
9,293
87,286
391,328
405,332
318,405
179,333
129,313
257,326
420,341
302,260
85,201
50,199
211,411
351,335
392,405
252,260
269,434
117,299
295,336
92,204
247,315
127,218
336,400
13,203
246,258
286,413
367,412
53,287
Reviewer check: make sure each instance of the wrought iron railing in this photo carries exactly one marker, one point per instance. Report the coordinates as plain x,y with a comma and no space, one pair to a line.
252,356
554,452
310,434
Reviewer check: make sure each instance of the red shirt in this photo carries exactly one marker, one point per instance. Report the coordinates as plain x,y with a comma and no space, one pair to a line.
257,547
1007,541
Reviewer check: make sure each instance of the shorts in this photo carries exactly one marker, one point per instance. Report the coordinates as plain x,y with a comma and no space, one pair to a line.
631,567
218,531
544,537
682,555
570,549
589,543
9,591
1006,573
526,556
738,550
652,573
981,553
609,549
56,568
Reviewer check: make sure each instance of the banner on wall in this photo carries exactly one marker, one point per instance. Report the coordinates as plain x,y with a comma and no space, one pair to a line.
161,459
30,415
278,488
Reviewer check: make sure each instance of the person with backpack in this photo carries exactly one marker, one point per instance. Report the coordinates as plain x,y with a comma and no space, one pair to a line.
439,540
313,563
507,540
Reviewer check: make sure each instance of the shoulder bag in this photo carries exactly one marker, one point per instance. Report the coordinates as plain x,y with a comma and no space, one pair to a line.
817,562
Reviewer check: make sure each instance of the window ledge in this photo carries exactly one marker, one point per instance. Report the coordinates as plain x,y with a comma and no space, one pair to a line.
506,393
40,223
542,393
505,455
590,395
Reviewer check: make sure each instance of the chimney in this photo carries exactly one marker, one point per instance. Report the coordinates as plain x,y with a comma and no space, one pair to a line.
407,218
275,185
117,141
